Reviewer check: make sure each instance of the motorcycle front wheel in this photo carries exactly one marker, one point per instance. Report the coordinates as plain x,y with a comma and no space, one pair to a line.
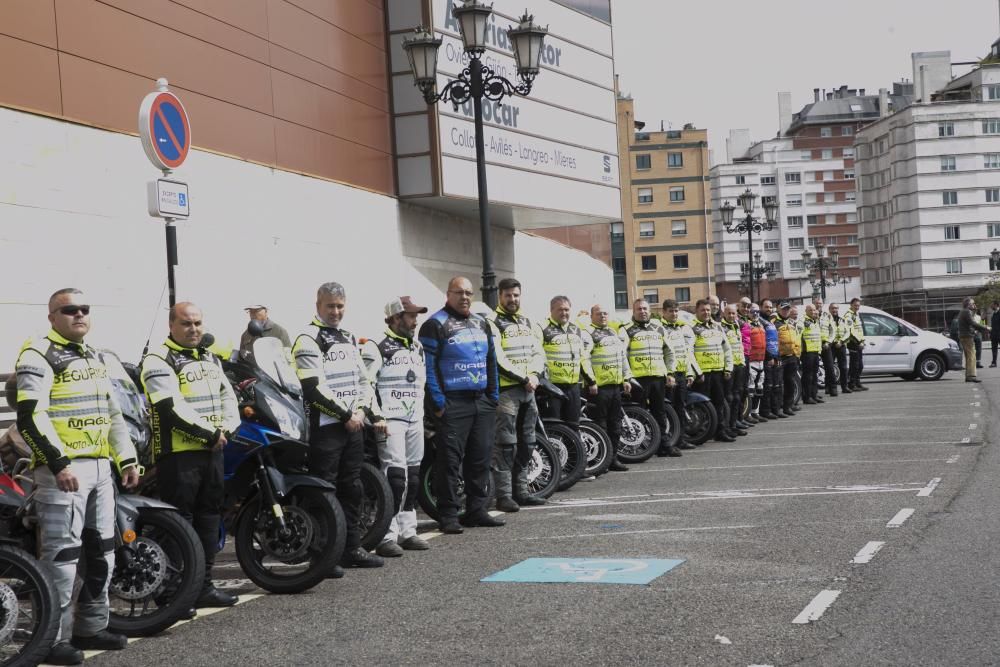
426,497
640,436
571,451
157,577
29,609
598,444
376,506
543,470
301,556
702,421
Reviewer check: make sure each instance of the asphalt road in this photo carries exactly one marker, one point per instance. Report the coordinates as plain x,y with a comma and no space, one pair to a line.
767,528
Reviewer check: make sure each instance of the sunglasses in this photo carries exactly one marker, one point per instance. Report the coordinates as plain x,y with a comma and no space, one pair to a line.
73,310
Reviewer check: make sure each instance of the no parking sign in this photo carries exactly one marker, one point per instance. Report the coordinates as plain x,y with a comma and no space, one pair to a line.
164,128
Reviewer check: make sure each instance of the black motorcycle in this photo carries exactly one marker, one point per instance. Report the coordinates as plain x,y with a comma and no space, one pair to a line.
640,434
572,451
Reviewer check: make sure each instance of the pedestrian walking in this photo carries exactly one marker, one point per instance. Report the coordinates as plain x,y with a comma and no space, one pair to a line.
968,326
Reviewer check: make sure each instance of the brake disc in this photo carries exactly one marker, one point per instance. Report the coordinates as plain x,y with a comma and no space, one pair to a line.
8,613
292,546
144,575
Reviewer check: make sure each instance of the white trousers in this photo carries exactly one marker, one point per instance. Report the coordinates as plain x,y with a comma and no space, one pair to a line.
404,448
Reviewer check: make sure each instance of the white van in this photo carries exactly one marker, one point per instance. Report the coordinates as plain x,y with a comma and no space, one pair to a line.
894,346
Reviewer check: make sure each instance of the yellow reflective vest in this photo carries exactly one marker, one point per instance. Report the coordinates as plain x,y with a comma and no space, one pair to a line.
711,347
65,405
680,338
826,327
855,328
649,355
788,337
565,353
735,337
606,347
518,347
812,336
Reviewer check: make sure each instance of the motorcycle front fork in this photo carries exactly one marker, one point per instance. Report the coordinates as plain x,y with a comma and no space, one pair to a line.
270,499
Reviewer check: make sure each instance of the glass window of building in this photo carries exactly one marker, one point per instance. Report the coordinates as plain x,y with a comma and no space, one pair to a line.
772,245
992,195
680,262
826,131
682,294
794,221
621,300
793,177
991,161
652,295
644,161
946,129
949,197
678,227
677,193
618,264
767,180
795,265
954,266
617,230
647,229
991,126
947,163
993,230
645,195
649,262
796,243
675,160
952,233
741,180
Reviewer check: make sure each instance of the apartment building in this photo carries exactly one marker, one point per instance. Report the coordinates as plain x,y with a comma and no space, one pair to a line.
662,248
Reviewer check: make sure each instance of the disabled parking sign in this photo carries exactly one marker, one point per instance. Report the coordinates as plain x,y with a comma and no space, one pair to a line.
586,570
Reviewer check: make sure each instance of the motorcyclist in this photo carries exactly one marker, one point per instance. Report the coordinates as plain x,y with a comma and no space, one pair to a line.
607,350
855,345
651,361
827,335
773,374
566,361
520,360
812,347
736,385
194,412
788,348
715,359
680,338
67,414
838,346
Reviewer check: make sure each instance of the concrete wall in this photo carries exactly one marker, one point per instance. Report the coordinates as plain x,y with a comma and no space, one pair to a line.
73,206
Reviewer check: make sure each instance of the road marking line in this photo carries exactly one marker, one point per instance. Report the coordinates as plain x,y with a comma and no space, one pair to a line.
739,492
908,443
636,532
776,465
722,639
869,428
975,414
976,404
900,518
431,535
966,441
972,427
953,459
815,609
867,552
931,485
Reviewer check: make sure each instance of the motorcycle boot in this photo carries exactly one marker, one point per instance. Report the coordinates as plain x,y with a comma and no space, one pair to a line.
102,641
501,467
358,557
64,653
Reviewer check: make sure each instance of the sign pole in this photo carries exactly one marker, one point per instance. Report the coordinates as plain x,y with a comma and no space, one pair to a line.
171,261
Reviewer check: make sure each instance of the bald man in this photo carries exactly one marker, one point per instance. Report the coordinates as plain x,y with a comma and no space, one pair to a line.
194,413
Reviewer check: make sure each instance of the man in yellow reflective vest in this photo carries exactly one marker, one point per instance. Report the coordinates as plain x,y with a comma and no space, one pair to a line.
194,412
812,347
715,359
67,414
827,335
735,386
789,347
606,348
651,361
839,346
566,360
520,361
680,338
855,345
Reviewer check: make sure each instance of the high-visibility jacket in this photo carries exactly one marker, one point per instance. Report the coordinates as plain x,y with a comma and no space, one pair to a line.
518,345
841,329
788,337
826,328
855,329
649,355
758,341
812,336
711,347
191,401
734,333
65,405
565,355
680,338
335,382
398,372
607,349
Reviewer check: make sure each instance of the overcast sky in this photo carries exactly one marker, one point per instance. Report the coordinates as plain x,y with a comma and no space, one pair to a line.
720,63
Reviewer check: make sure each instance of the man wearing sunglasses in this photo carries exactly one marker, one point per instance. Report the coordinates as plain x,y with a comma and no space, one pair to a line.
67,414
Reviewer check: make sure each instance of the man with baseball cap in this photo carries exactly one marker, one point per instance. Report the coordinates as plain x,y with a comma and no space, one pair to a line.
271,329
398,373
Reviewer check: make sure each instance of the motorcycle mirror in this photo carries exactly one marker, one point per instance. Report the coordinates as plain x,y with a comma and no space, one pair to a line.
207,340
255,328
10,392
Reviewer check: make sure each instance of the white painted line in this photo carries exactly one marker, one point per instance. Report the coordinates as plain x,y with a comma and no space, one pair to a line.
975,414
953,459
815,609
723,640
972,427
431,535
867,552
976,404
931,485
739,492
642,471
966,441
868,429
614,533
908,443
900,518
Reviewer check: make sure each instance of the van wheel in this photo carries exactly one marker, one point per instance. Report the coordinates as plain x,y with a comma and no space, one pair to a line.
930,366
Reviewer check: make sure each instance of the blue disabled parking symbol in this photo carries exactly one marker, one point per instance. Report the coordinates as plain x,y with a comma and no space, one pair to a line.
586,570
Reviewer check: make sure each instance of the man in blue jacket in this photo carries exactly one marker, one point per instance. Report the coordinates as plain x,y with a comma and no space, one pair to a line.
462,388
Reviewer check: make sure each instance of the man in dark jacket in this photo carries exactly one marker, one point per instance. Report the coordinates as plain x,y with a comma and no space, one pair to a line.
968,327
268,327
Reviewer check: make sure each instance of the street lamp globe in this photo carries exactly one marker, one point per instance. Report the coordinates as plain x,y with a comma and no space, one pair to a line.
820,250
771,209
726,210
747,200
473,21
528,40
995,259
834,256
422,51
806,256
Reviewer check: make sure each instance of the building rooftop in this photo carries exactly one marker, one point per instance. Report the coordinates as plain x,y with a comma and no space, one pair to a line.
846,109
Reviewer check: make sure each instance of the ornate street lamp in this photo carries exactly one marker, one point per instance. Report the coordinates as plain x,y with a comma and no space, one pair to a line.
821,265
749,224
995,260
475,82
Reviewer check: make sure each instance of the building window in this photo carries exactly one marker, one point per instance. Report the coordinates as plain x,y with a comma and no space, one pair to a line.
794,221
643,162
682,294
796,243
827,154
673,134
992,230
621,300
617,231
853,261
767,180
991,161
677,193
992,195
645,195
793,177
812,219
618,264
675,160
678,227
949,198
826,131
954,266
849,153
767,199
991,126
741,180
796,265
852,239
848,174
647,229
993,92
952,233
680,262
947,163
946,129
794,201
846,130
642,136
652,295
812,241
772,245
649,262
744,245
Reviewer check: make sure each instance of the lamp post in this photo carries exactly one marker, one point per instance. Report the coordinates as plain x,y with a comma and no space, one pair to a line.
754,272
749,224
821,265
475,82
842,280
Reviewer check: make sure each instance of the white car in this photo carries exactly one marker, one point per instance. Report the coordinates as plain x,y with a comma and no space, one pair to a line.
896,347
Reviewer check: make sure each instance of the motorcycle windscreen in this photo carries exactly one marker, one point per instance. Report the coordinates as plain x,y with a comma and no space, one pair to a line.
286,408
